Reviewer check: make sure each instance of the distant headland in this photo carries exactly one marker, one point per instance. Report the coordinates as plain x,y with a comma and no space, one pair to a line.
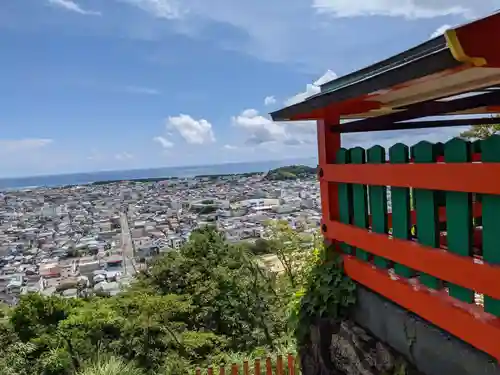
291,172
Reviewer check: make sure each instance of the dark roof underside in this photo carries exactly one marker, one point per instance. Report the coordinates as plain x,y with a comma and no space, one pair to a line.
425,49
453,74
428,58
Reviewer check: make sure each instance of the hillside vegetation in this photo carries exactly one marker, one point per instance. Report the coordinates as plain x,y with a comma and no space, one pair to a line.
209,303
291,172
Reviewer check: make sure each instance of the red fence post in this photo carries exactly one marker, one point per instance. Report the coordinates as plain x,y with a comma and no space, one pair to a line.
269,367
256,370
291,365
279,365
234,369
328,145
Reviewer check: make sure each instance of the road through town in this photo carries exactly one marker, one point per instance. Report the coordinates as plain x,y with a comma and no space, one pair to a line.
127,248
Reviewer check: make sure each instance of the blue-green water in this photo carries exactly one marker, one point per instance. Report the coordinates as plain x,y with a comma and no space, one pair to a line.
85,178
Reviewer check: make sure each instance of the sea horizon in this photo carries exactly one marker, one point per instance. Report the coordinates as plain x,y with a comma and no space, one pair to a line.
83,178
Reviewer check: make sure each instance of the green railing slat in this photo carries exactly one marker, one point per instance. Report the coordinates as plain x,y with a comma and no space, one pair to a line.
476,149
378,201
490,152
359,193
459,215
345,197
400,199
476,146
426,206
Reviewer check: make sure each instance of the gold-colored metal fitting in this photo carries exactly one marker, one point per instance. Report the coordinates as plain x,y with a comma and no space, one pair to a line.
458,52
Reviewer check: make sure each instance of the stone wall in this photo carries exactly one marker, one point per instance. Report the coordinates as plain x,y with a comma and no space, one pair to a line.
344,348
384,339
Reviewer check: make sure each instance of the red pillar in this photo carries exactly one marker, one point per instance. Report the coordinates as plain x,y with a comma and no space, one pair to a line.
328,145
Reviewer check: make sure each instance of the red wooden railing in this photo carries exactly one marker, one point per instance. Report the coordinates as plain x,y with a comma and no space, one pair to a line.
276,368
437,274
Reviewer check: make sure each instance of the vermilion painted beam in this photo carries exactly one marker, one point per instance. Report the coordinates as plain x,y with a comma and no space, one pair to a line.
460,270
464,321
464,177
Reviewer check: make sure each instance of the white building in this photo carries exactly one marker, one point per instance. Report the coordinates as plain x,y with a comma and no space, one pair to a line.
48,211
175,242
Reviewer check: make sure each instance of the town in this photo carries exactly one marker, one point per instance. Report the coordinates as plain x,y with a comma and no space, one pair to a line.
77,241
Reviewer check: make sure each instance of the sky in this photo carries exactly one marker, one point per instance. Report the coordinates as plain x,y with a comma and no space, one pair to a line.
88,85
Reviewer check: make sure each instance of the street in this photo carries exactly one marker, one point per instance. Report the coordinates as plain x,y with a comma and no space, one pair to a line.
127,248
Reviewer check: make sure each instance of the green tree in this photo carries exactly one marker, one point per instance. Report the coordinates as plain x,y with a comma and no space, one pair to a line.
481,131
111,366
222,281
36,315
293,250
260,247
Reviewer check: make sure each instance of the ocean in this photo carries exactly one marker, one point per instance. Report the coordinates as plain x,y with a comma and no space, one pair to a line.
189,171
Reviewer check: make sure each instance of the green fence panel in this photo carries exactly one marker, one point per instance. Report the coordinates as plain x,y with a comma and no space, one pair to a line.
426,206
359,193
378,201
345,197
459,215
400,202
491,219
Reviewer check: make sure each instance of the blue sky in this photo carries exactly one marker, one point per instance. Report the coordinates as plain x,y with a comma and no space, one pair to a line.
116,84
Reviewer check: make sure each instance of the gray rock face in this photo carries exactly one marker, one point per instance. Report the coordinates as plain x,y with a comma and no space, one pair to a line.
344,348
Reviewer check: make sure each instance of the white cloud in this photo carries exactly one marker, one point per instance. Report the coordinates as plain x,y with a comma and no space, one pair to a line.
163,141
230,147
275,30
440,31
262,130
167,9
401,8
123,156
73,7
269,100
301,96
193,131
311,88
250,113
141,90
327,77
23,145
259,128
